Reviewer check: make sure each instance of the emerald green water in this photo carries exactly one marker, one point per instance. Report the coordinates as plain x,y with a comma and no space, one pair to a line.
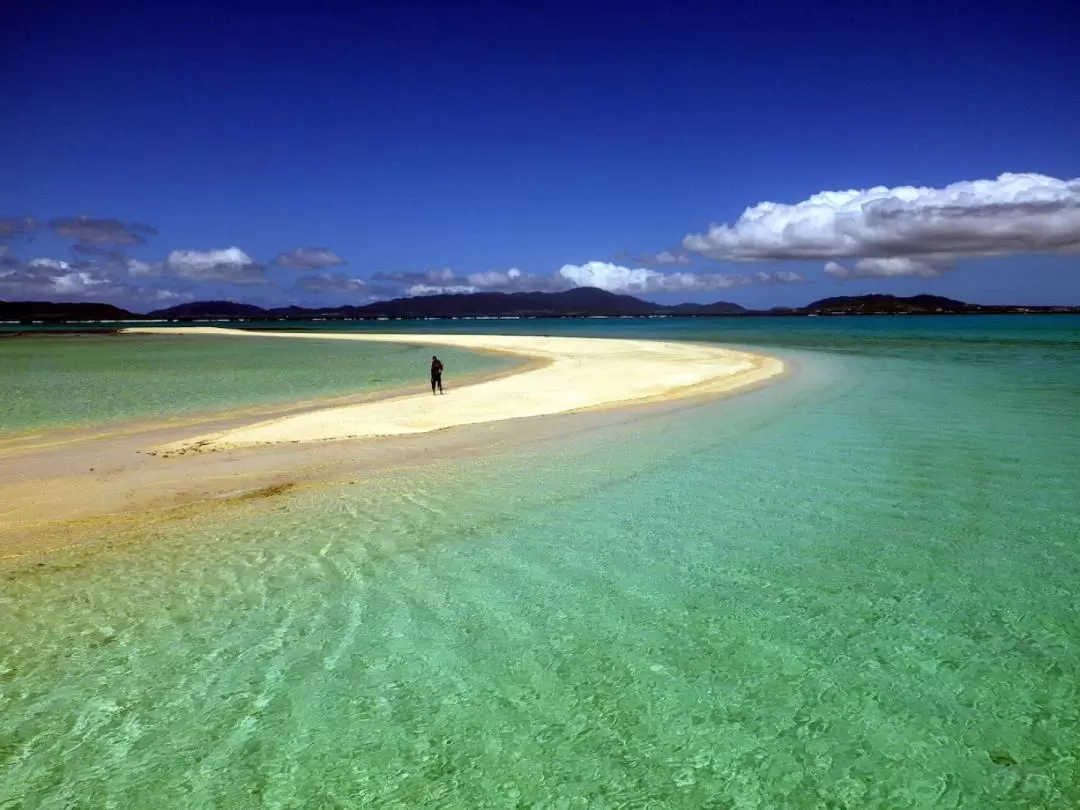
855,588
52,381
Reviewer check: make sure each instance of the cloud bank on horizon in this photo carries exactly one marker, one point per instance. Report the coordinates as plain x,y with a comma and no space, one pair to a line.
879,232
81,280
905,230
605,275
891,267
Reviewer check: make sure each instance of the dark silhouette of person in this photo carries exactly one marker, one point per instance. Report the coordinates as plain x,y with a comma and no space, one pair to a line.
436,374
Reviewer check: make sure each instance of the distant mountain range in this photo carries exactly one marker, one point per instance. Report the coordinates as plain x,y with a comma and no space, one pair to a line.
579,302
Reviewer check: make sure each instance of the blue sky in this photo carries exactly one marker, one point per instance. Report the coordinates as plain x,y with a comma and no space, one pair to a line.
439,146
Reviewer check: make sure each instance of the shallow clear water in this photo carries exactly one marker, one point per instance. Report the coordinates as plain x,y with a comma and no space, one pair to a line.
52,381
855,588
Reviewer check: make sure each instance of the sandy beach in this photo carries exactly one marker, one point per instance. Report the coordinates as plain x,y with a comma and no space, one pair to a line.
569,374
84,486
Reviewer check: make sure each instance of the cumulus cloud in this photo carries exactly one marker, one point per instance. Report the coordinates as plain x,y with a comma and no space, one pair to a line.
59,280
434,276
169,296
1016,213
431,282
55,277
615,278
495,278
780,277
445,289
608,276
137,268
605,275
49,264
515,280
82,282
667,257
309,258
330,283
17,226
101,231
891,267
230,265
664,257
445,281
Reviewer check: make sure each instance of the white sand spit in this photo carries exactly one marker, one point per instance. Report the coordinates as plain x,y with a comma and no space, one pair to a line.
572,374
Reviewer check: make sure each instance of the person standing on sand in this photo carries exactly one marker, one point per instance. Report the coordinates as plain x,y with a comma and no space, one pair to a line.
436,374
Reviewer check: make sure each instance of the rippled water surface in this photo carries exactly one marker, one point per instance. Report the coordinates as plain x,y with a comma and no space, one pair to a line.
855,588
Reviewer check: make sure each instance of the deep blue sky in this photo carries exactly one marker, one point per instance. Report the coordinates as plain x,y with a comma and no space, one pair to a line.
483,137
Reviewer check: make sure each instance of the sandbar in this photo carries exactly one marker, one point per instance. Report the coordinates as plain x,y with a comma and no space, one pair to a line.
568,374
77,489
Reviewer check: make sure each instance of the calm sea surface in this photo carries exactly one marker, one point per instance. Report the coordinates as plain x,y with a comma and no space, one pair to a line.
858,587
82,379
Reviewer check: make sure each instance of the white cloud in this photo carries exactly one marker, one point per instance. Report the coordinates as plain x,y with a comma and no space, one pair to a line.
180,260
81,282
667,257
1016,213
664,257
515,280
442,274
495,278
410,277
615,278
445,281
230,265
171,295
609,276
137,268
58,265
55,277
604,275
328,283
309,258
429,289
891,267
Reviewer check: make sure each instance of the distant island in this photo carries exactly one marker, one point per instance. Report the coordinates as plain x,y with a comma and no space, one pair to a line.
576,303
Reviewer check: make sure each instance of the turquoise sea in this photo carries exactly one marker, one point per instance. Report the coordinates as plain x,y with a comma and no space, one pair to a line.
73,380
857,587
